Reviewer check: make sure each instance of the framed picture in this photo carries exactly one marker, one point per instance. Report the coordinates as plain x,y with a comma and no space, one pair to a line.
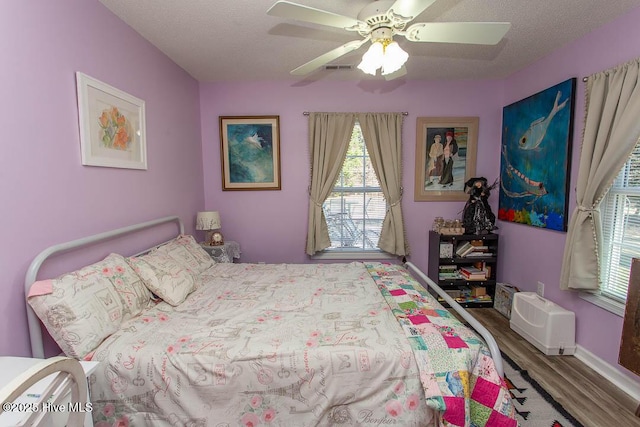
250,152
535,158
446,149
112,126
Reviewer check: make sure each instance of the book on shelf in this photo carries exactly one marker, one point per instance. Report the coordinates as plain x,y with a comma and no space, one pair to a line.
476,254
481,298
472,273
448,272
464,248
470,299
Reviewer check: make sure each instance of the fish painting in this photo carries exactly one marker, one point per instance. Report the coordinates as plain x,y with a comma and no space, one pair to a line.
533,136
535,158
528,187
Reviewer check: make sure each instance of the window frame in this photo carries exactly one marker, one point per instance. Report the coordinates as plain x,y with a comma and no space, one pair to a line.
352,252
610,203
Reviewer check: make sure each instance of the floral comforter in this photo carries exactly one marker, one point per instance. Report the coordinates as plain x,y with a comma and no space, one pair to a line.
297,345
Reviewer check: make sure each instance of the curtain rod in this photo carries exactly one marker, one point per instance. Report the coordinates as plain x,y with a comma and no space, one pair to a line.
306,113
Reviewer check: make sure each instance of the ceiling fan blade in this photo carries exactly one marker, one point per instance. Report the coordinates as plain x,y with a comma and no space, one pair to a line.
458,32
410,8
286,9
328,57
401,72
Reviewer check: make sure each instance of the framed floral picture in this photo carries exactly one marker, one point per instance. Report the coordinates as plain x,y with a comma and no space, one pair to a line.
250,152
446,149
112,125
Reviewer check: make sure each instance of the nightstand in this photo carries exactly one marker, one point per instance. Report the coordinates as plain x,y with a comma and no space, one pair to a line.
223,253
10,367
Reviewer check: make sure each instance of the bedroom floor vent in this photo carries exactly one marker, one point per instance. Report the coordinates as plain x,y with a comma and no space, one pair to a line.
549,327
339,67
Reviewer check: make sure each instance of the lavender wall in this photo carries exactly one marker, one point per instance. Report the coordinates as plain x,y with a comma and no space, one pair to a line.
534,254
271,225
47,195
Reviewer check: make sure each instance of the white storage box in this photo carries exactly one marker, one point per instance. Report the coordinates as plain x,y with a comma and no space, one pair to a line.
544,324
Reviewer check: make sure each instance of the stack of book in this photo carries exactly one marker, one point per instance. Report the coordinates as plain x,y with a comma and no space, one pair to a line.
474,248
448,272
472,273
464,249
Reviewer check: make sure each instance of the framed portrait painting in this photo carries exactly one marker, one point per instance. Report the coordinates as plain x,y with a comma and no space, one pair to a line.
536,157
250,152
112,125
446,149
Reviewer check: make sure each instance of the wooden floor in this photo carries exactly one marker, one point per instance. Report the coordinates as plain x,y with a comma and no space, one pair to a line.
585,394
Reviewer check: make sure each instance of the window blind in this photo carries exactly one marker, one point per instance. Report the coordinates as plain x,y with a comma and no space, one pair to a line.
620,215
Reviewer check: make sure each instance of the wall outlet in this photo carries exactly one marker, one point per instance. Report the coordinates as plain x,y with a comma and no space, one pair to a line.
540,289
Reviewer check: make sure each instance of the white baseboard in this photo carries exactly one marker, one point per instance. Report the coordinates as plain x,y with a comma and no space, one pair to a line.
623,382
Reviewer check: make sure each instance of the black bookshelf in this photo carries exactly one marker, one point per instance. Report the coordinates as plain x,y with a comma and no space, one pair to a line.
463,289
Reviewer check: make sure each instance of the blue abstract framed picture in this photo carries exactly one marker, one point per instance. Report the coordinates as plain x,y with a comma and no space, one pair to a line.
250,152
536,158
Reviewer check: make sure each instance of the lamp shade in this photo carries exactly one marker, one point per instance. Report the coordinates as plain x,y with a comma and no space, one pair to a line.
394,58
372,59
208,220
385,54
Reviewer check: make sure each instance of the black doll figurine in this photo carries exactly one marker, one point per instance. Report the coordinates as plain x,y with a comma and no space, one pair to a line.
477,217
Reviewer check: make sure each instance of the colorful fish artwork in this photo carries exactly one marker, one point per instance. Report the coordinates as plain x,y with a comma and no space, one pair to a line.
533,136
528,187
536,156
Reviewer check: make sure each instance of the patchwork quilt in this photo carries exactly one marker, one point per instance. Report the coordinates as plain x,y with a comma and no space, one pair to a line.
298,345
456,369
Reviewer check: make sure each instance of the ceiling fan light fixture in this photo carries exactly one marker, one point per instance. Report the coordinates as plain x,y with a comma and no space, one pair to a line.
373,58
381,20
394,58
385,54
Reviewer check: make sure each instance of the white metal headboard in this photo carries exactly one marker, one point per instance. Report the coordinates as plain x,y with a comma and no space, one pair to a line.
35,328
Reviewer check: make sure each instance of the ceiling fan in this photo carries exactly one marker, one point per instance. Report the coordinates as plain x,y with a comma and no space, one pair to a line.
378,22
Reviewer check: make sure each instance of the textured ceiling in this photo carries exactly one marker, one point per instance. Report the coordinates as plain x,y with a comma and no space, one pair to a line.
235,40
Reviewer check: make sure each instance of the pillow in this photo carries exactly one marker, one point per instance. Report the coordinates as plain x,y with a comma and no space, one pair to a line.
186,251
82,308
164,276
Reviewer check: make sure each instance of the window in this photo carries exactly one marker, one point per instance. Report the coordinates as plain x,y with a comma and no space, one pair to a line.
621,229
356,207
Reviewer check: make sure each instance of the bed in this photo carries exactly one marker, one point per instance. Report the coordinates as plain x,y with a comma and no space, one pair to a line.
183,341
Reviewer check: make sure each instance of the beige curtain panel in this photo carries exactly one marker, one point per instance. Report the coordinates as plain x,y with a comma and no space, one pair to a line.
611,131
329,135
383,137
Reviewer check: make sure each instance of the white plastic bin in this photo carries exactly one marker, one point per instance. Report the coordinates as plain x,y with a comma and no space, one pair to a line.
544,324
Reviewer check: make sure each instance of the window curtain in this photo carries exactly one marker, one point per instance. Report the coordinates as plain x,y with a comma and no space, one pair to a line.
611,131
383,137
329,135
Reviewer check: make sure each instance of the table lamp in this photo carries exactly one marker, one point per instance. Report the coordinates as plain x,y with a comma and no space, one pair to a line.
210,221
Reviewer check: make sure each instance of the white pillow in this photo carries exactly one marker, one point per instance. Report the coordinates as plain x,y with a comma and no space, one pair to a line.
164,276
82,308
187,252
